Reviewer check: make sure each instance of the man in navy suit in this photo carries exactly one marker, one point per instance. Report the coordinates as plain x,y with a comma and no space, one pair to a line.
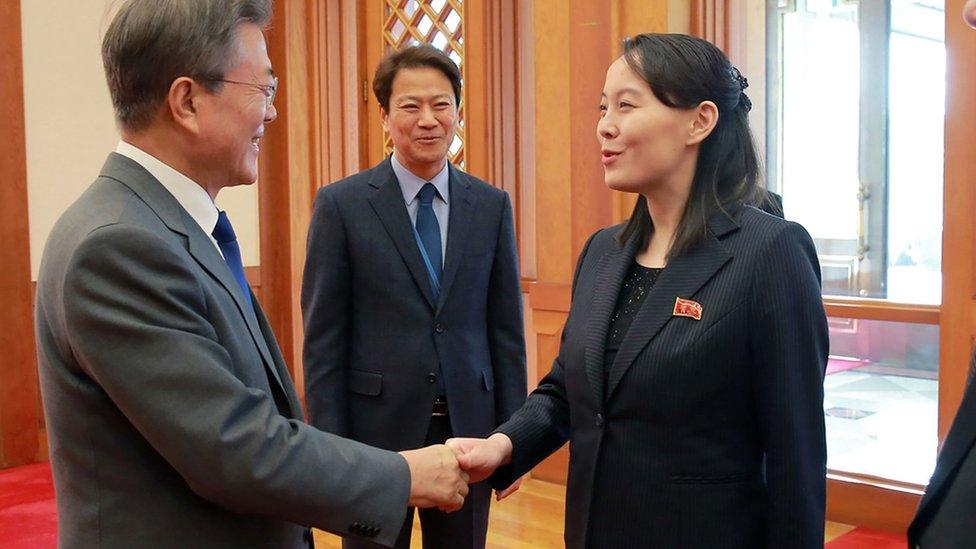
411,297
945,515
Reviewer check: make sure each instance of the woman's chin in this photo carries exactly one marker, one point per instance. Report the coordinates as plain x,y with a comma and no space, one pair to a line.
622,186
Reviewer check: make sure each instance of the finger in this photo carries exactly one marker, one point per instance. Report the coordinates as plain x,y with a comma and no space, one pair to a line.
506,492
468,461
459,445
465,477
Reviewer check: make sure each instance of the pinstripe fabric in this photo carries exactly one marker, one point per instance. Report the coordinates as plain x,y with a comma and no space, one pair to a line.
712,432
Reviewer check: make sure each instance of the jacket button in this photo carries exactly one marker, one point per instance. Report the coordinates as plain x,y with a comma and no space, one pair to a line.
599,421
431,378
439,328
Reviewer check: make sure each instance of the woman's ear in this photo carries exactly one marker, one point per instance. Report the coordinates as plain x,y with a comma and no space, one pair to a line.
704,121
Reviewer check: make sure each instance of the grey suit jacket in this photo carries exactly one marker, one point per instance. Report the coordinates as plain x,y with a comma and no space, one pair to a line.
171,417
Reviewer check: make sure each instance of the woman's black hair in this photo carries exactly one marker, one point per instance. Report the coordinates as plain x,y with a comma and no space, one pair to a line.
683,71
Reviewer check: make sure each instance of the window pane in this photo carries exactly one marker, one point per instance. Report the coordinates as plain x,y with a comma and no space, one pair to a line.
916,110
881,398
855,144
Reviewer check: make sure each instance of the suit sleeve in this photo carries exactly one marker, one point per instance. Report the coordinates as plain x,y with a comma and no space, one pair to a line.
326,312
542,425
790,346
139,327
506,330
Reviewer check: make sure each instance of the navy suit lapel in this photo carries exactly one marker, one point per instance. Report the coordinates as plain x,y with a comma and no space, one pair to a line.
683,277
131,174
611,271
387,202
462,208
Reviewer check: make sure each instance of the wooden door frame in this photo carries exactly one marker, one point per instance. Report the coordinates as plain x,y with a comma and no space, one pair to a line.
20,414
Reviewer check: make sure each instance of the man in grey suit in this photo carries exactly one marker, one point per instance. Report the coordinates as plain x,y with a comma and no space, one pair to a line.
944,519
411,297
171,418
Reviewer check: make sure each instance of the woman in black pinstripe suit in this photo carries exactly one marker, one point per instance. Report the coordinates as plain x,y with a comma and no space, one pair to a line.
689,381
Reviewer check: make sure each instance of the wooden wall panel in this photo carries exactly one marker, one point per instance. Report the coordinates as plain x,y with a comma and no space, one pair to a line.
291,165
19,401
710,20
571,45
958,316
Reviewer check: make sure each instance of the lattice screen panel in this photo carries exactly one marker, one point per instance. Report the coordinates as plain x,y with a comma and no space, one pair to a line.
436,22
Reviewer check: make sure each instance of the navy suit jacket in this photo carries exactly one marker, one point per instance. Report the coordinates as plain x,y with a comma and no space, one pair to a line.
374,334
956,459
711,433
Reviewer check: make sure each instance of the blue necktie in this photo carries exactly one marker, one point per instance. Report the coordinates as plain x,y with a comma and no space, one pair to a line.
430,234
223,233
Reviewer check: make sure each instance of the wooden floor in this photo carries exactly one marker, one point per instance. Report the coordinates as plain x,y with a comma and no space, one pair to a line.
532,517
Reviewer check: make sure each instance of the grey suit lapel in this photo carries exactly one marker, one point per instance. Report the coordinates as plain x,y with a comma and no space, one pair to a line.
611,271
295,406
152,192
463,200
387,202
683,277
203,250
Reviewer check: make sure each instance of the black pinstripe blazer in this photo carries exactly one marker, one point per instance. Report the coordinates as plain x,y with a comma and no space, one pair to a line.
944,515
712,430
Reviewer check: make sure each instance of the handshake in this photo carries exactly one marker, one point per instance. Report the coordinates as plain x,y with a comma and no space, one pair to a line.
440,474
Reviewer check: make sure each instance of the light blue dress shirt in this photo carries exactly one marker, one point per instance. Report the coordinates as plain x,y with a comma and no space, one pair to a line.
410,186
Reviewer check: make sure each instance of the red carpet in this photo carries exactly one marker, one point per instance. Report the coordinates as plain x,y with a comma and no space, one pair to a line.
862,538
28,518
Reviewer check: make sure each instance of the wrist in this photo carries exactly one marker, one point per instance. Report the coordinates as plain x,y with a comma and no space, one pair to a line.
502,445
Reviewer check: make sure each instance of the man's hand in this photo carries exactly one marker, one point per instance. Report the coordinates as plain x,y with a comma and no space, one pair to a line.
481,456
436,479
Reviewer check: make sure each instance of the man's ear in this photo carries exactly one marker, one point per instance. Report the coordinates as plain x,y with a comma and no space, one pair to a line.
183,102
385,118
704,121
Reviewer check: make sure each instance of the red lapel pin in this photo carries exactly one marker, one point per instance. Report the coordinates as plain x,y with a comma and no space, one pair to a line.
688,308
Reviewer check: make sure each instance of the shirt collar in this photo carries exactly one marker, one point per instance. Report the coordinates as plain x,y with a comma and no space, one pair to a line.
187,192
410,184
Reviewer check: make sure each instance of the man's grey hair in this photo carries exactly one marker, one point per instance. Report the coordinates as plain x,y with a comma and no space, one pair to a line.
151,43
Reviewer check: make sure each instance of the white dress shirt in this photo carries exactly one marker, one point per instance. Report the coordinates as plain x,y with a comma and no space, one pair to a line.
188,193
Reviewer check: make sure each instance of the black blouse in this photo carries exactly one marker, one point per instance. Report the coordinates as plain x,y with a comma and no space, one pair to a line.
636,286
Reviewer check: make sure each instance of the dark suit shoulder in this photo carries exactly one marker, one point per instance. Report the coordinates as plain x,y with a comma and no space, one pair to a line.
106,202
352,184
758,229
602,240
478,184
